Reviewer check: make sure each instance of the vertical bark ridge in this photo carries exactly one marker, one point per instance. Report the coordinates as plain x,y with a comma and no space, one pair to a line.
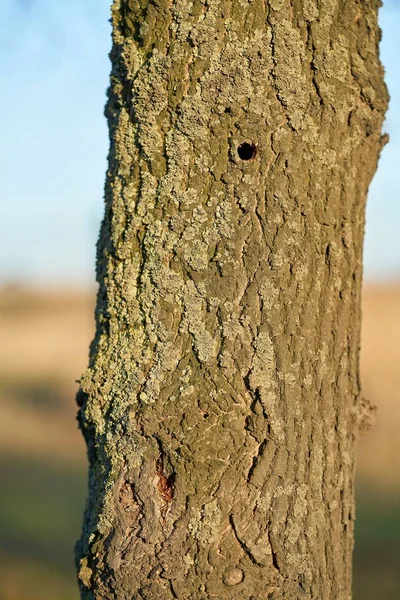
220,403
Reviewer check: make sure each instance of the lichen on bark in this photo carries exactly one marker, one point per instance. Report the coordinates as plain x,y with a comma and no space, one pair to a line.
222,397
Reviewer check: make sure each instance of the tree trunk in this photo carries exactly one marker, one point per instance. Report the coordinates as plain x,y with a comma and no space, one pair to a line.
222,400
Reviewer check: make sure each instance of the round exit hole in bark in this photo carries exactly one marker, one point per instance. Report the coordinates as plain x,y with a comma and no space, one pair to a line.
247,151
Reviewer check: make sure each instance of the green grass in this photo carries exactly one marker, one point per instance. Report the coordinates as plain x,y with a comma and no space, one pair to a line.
377,548
41,507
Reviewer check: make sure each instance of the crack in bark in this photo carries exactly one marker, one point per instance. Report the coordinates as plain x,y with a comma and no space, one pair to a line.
274,555
243,544
256,460
165,484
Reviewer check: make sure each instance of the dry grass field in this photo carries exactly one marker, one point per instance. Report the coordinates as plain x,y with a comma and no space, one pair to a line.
379,451
44,346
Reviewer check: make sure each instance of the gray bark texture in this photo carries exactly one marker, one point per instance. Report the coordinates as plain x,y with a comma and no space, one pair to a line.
222,400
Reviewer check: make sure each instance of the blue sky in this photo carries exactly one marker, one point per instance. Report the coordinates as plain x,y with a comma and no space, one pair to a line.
54,75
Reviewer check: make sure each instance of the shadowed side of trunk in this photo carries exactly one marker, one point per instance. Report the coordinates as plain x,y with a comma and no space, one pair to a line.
221,403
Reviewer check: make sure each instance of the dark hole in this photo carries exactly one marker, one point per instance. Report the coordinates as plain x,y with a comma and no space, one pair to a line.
247,150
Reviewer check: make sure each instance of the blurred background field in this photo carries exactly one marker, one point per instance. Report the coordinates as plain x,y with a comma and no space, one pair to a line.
45,336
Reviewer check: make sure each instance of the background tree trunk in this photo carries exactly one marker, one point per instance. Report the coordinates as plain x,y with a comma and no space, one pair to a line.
221,403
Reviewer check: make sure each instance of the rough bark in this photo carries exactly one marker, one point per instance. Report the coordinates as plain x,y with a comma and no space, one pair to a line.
222,400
